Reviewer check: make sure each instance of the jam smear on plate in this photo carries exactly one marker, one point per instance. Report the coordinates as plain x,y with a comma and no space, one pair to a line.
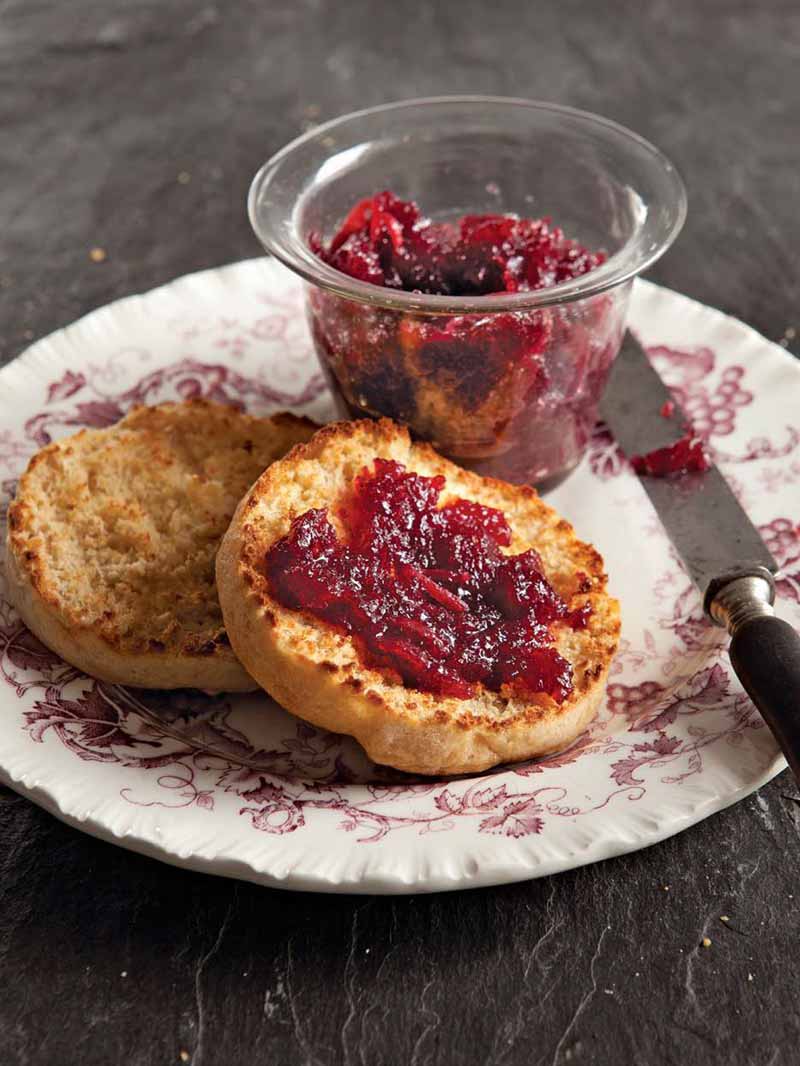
684,456
425,590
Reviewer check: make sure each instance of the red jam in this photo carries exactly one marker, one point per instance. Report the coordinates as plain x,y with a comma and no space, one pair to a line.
512,394
685,456
387,241
425,590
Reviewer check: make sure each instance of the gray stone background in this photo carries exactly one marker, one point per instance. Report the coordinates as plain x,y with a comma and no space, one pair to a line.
135,127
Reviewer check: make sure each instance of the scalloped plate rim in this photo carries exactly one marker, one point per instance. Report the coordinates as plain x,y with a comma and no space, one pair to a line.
371,884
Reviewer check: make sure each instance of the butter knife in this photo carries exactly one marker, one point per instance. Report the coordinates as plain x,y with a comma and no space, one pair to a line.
720,548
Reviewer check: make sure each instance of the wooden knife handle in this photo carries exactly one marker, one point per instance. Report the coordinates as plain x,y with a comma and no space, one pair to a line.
765,653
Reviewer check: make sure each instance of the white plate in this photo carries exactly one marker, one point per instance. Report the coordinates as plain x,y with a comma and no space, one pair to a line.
236,786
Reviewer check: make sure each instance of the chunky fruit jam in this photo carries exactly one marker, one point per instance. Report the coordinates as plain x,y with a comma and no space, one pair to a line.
509,393
685,456
387,241
425,590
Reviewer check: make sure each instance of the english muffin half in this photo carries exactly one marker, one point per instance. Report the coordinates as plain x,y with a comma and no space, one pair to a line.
321,673
113,534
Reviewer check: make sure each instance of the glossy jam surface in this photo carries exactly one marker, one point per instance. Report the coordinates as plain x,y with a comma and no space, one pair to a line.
425,590
512,394
387,241
685,456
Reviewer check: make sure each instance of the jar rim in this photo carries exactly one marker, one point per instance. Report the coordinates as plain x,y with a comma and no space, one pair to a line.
627,262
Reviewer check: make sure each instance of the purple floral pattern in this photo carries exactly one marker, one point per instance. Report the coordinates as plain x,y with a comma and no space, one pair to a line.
671,702
187,379
782,537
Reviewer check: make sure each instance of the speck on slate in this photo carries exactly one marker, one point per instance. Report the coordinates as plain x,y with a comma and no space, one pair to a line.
98,255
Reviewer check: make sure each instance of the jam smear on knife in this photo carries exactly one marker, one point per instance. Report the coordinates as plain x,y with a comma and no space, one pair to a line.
685,456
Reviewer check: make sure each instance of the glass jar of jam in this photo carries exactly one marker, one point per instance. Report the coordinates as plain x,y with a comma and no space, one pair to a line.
484,326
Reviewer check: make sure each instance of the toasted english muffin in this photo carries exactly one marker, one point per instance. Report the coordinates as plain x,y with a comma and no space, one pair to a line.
113,533
317,672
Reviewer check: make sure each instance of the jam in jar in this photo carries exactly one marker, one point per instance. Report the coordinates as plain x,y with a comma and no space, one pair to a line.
508,393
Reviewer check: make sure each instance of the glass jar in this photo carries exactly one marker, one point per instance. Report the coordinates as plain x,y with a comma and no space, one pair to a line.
507,384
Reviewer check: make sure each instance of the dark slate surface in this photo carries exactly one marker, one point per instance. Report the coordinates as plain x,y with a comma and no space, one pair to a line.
106,957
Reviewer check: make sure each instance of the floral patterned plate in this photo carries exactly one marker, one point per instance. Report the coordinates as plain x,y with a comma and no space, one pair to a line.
236,786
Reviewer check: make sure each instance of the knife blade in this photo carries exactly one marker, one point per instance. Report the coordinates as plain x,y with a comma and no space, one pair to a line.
721,549
699,512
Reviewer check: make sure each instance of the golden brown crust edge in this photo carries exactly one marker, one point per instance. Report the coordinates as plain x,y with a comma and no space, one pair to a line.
410,730
98,658
206,662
